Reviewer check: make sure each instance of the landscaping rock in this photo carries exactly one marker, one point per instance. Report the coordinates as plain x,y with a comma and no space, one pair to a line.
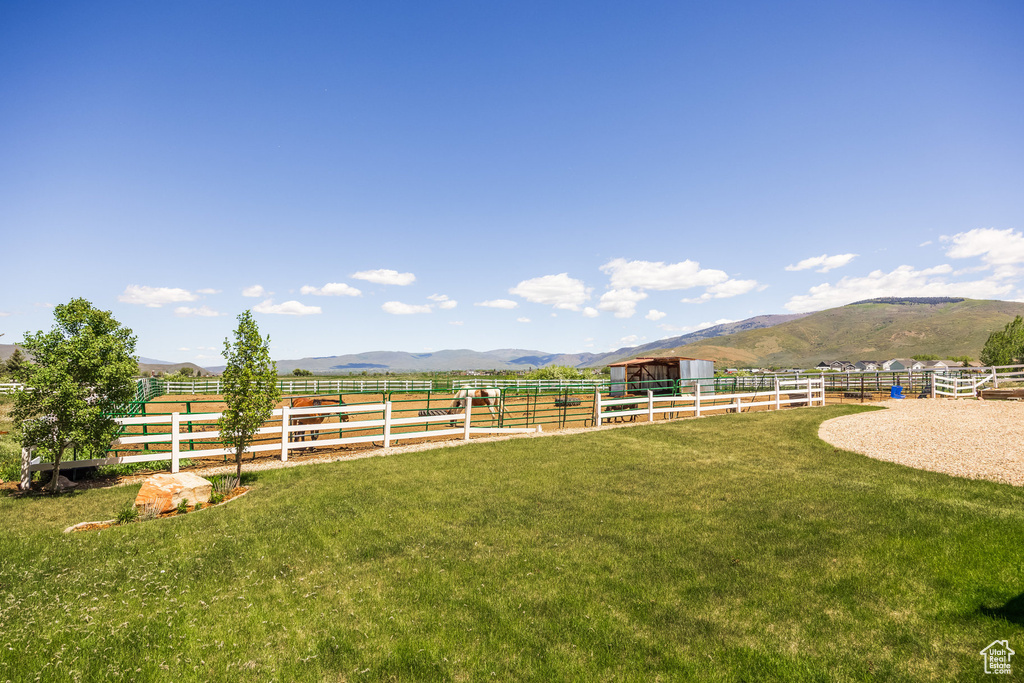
166,491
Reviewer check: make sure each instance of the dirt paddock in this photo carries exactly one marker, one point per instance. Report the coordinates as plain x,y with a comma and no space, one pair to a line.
965,438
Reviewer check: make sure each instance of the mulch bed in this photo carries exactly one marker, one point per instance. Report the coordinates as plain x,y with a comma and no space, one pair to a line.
238,492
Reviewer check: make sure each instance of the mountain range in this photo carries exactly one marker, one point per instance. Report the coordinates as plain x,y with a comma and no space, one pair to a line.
875,329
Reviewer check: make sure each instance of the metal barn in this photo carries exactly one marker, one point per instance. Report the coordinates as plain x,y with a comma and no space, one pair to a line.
661,375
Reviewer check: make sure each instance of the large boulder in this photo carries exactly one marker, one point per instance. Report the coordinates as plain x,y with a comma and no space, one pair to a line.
166,491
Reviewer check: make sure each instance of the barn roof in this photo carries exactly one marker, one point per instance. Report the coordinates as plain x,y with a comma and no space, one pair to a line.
660,360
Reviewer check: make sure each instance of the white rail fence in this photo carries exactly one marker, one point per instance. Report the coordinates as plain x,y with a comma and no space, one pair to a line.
312,386
380,430
567,384
809,392
10,387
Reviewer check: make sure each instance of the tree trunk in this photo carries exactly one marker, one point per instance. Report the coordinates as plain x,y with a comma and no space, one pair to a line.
238,462
55,472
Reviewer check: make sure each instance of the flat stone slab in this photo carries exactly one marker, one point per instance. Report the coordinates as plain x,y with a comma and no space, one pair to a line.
166,491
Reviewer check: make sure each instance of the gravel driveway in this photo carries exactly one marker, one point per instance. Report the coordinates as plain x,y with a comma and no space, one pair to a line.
964,438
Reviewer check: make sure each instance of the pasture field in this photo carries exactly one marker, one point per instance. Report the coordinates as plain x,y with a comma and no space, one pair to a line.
728,548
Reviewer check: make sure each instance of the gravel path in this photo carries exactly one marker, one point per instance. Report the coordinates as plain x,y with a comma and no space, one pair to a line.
964,438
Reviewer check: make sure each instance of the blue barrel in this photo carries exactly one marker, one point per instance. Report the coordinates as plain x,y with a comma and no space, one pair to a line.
896,392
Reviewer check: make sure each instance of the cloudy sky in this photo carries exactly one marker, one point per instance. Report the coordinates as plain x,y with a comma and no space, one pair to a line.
564,176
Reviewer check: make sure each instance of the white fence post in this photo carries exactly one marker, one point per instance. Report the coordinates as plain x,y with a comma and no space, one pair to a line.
935,381
387,424
26,462
175,441
285,432
995,378
597,407
469,415
650,405
696,398
778,394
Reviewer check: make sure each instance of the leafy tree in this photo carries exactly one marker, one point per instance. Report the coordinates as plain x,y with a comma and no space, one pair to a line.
186,371
250,386
1006,346
82,372
925,356
299,372
966,360
556,372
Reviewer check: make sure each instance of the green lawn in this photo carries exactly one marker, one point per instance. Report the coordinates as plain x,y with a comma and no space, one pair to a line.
729,548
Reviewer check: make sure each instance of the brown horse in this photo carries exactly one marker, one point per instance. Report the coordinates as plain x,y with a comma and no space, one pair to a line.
315,418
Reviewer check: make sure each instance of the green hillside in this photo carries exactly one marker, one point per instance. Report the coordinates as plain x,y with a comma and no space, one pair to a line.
862,331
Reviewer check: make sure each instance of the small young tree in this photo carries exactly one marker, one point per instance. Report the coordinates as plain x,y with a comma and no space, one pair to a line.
82,372
250,386
16,366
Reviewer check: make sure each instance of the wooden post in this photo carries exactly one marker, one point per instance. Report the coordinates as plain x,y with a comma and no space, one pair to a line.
26,475
387,424
650,405
175,441
469,414
285,432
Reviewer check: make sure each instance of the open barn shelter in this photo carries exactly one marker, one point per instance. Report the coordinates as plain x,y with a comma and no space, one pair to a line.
661,375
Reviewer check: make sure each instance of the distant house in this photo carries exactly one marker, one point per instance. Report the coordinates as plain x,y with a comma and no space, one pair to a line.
897,364
868,365
836,365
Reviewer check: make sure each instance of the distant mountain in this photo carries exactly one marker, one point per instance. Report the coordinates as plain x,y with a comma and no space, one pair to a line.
145,364
875,329
501,359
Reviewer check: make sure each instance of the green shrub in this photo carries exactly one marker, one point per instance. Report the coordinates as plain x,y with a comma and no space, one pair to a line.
216,498
128,513
183,506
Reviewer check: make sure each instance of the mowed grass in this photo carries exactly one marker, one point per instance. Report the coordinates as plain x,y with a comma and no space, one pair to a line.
728,548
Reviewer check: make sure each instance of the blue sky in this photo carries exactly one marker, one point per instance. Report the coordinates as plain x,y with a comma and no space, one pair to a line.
561,176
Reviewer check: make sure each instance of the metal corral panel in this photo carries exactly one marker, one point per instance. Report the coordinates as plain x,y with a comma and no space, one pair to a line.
618,379
704,370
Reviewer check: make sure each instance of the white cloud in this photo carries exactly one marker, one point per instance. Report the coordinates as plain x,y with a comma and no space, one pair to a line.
655,314
255,292
590,312
155,297
4,314
331,289
458,323
184,348
522,320
202,311
560,291
725,290
443,302
384,276
498,303
823,263
398,308
621,302
925,243
659,275
630,339
995,247
904,281
207,291
286,308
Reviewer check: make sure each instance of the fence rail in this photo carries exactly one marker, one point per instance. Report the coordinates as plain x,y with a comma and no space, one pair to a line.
807,392
284,422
